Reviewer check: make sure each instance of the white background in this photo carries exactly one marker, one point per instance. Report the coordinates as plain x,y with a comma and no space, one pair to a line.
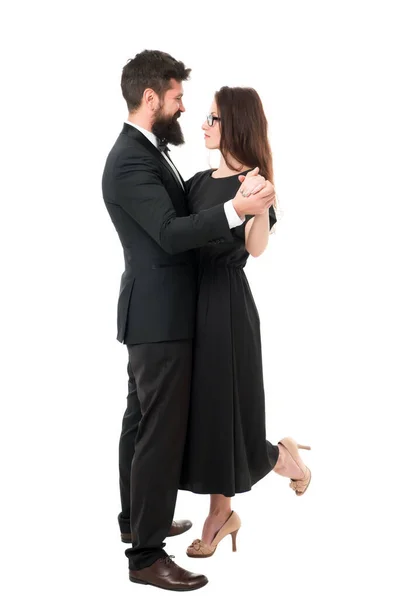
325,289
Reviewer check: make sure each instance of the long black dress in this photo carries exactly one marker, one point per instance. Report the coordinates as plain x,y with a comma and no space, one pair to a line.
226,449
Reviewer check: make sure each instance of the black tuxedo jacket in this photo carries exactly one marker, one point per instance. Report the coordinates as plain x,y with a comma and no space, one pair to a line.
148,208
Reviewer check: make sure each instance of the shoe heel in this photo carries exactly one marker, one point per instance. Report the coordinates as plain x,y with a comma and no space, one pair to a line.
303,447
234,540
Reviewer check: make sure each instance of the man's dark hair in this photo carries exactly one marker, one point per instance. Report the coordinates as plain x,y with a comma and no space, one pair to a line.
150,69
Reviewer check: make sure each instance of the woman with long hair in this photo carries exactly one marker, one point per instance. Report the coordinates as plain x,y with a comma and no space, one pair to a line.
226,449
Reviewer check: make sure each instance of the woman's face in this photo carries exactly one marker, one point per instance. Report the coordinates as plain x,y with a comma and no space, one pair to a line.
212,132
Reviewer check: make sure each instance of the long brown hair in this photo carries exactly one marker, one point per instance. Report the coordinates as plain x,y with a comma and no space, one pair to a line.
244,129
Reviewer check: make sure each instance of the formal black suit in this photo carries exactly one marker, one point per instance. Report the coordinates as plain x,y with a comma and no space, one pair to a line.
144,199
156,318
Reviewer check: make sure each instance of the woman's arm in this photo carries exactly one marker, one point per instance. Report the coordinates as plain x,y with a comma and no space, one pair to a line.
257,232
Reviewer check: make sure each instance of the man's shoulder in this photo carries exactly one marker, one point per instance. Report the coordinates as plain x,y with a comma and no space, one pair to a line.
130,145
128,150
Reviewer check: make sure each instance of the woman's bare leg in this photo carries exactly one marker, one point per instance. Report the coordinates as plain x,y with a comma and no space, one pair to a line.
219,512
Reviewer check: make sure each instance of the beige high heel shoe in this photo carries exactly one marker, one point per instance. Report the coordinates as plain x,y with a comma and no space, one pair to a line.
298,485
199,549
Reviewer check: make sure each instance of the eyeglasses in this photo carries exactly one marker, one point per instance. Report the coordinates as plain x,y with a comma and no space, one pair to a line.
211,119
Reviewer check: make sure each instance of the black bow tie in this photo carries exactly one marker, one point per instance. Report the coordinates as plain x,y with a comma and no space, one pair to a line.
162,146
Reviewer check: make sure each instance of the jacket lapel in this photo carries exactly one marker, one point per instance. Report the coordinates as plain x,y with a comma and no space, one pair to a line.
182,182
139,137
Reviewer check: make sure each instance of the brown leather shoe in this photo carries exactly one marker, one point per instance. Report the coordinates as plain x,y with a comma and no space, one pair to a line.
166,574
176,528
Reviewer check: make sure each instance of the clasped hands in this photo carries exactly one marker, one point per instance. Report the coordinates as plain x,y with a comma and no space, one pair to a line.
255,195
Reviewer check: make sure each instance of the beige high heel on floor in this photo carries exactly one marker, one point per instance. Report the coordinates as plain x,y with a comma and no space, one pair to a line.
298,485
199,549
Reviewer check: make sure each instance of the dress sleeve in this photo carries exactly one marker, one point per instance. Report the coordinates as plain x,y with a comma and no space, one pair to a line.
272,217
190,182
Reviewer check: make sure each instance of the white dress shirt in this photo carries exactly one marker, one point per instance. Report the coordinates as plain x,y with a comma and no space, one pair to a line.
232,217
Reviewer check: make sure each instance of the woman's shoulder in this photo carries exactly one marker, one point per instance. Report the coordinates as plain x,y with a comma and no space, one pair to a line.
197,178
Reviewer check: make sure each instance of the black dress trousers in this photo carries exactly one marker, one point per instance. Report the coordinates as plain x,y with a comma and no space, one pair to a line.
152,444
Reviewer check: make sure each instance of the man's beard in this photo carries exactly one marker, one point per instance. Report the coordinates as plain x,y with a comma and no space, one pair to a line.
167,128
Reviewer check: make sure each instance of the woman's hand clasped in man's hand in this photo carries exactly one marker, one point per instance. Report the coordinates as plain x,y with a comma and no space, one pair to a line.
255,195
